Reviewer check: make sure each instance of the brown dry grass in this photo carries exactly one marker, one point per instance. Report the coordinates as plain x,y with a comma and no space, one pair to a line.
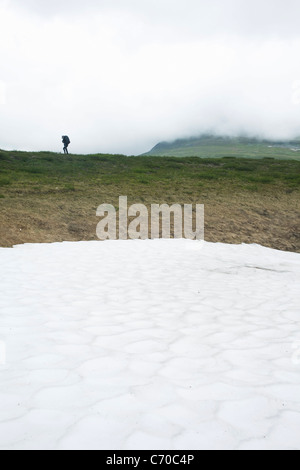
241,217
47,198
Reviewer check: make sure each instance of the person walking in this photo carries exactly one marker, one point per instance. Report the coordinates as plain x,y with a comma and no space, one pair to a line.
66,141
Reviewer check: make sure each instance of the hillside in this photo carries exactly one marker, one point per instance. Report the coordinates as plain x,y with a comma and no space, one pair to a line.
209,146
46,197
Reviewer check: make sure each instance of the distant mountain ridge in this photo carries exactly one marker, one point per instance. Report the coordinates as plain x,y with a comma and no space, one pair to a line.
219,146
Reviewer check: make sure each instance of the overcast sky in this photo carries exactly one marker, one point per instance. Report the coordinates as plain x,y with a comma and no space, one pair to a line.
119,76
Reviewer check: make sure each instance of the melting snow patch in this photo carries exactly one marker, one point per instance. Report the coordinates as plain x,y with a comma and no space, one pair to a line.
164,344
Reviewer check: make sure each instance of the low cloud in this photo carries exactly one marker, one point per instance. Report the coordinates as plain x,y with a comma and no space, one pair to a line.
122,78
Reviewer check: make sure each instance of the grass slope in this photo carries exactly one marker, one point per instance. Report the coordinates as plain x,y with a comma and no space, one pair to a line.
47,197
218,147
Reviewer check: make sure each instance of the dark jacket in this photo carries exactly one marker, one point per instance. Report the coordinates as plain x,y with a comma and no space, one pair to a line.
66,140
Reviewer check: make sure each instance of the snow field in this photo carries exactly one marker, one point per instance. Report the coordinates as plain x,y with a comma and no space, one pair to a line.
164,344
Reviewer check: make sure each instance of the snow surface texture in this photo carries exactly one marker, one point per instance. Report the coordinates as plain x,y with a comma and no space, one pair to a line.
165,344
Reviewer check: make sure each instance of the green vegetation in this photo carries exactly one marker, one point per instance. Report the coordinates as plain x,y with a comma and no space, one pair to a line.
4,181
218,147
38,172
48,197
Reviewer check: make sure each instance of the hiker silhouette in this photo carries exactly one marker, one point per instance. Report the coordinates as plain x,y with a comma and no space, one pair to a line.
66,141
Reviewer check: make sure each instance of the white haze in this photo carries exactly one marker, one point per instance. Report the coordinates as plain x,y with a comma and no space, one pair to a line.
119,76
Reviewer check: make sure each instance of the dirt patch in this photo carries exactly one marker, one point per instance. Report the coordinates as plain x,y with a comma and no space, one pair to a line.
266,219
